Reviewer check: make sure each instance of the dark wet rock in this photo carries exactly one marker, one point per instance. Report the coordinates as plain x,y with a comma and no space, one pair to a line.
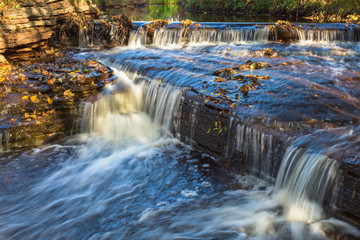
151,27
244,144
283,31
267,52
82,30
41,100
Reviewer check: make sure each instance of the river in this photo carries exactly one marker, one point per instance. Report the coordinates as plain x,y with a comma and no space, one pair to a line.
128,175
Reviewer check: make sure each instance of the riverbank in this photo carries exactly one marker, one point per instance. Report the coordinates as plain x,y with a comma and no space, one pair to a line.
42,100
320,11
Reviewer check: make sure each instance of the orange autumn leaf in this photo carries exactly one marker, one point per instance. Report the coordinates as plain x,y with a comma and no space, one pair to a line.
69,95
49,100
22,77
51,81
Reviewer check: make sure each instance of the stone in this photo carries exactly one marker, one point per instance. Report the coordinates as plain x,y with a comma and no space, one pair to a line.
2,45
81,9
40,23
63,11
59,5
14,21
28,28
39,12
41,3
28,4
3,60
15,13
25,37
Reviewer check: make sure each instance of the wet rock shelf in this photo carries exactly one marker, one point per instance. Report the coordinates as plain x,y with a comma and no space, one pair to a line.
41,100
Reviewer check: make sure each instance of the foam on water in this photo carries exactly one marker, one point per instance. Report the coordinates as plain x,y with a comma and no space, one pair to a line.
127,177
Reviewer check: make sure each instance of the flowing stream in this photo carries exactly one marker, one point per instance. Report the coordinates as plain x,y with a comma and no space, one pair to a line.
127,175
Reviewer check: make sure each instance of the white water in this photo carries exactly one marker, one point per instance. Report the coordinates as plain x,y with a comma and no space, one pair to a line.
127,177
307,180
325,35
255,146
175,37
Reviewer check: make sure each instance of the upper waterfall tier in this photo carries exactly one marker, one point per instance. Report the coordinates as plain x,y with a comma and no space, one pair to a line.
176,34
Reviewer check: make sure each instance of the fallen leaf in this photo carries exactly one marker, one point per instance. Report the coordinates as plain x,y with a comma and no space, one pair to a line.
34,99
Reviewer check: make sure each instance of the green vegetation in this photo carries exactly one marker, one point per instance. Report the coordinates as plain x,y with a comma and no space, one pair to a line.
165,2
147,13
135,2
165,12
286,7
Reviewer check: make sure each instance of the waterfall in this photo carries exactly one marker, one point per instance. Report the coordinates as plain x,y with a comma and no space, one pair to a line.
329,35
126,110
180,36
256,148
306,183
162,101
166,37
236,35
84,39
138,38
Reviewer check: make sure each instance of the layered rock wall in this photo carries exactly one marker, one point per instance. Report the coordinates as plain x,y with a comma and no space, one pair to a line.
25,31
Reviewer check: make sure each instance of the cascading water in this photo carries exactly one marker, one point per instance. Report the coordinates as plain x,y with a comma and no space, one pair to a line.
329,35
84,38
229,35
127,177
306,183
124,110
255,146
138,38
180,36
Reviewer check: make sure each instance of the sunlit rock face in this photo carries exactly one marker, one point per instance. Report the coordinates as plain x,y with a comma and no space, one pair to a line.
25,31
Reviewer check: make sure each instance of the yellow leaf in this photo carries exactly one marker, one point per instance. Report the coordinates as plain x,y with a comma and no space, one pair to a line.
34,99
68,94
25,98
49,100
